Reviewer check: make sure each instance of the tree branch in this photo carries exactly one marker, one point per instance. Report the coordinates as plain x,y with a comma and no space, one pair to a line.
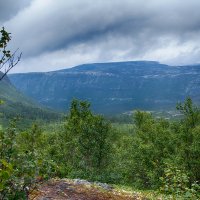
11,61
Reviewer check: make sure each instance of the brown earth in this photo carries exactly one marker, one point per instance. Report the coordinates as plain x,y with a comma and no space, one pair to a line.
65,189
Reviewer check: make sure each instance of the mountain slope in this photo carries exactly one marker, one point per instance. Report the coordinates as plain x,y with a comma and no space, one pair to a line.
113,87
17,104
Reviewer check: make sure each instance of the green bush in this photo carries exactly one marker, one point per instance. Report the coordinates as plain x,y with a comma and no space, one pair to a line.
176,182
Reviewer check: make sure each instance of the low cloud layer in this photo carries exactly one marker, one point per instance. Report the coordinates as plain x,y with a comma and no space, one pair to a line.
59,34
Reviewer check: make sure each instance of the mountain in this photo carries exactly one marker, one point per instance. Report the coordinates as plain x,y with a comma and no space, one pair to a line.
113,87
17,104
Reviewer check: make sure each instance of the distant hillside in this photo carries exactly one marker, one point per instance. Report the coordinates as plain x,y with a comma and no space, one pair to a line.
113,88
17,104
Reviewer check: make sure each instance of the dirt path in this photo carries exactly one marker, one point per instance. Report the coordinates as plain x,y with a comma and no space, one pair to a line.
76,190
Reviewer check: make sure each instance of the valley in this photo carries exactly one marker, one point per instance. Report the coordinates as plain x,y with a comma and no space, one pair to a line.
129,145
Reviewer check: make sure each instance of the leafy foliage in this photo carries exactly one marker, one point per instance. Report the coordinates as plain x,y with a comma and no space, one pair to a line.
7,59
154,154
86,140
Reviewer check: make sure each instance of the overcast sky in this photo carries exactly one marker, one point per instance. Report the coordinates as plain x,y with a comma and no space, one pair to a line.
56,34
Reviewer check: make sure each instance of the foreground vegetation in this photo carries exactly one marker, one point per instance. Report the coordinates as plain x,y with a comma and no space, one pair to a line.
154,154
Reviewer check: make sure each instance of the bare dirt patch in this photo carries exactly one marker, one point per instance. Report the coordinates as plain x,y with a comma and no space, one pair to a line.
57,189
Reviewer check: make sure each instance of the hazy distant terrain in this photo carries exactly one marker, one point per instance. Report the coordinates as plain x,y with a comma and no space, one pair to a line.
113,88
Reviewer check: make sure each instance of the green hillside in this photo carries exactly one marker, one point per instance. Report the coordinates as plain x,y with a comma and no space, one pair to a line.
15,104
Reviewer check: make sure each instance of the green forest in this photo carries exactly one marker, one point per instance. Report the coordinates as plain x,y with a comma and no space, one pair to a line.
148,154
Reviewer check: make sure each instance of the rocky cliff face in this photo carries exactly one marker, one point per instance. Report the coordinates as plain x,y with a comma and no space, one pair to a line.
113,87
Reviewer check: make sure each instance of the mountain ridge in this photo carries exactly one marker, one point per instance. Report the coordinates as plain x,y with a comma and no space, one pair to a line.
115,87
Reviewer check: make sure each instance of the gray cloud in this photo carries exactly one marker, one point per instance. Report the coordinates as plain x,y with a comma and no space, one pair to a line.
9,8
56,34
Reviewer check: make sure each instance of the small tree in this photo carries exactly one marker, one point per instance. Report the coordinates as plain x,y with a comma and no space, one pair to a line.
7,59
190,111
189,139
86,139
9,187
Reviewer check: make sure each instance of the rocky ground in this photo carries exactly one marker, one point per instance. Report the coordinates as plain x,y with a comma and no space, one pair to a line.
76,189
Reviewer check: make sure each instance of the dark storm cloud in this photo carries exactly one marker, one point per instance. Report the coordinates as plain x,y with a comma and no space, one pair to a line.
9,8
63,33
